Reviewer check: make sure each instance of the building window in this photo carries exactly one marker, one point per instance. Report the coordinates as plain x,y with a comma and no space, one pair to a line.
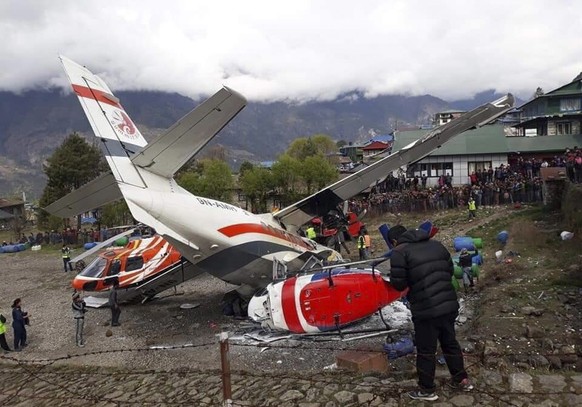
430,170
474,166
563,128
569,105
438,169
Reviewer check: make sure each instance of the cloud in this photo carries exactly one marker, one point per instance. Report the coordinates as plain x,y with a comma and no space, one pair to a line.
296,50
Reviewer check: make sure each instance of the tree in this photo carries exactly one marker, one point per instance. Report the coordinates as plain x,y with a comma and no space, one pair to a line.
286,176
74,163
341,143
317,172
245,166
256,183
116,213
212,179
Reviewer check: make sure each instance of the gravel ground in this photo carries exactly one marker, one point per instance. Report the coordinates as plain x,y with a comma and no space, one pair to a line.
38,279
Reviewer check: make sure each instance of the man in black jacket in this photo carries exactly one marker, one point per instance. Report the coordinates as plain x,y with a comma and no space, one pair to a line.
425,267
113,303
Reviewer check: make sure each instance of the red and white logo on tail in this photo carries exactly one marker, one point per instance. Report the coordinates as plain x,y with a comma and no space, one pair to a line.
123,125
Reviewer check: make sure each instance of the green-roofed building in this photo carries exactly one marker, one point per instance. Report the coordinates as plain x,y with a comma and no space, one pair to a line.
555,113
549,124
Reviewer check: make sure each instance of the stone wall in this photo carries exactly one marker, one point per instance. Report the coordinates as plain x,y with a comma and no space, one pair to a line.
571,207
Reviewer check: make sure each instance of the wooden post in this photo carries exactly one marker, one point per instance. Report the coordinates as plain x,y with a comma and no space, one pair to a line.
225,365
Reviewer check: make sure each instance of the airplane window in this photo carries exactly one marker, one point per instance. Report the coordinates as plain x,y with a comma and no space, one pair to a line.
95,268
134,263
115,268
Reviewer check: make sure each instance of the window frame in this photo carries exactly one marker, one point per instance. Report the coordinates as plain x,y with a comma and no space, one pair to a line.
475,167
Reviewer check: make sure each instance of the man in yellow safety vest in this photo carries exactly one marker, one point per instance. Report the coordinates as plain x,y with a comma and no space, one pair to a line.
472,209
310,232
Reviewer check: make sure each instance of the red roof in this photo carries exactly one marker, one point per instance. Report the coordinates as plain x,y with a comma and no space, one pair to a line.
377,145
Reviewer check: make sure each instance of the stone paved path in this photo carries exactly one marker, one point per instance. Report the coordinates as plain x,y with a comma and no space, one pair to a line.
27,385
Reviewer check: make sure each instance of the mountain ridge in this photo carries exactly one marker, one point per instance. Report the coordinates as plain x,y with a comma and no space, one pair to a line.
34,123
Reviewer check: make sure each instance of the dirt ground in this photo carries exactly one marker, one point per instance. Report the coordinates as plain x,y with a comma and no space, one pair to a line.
544,276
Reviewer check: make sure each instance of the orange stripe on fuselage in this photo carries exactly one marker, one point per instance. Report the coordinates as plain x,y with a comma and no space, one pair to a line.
242,228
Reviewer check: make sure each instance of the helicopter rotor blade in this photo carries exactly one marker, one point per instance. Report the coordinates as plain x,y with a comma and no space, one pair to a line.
102,245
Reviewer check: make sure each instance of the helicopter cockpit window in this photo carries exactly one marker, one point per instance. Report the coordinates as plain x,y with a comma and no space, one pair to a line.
95,268
115,267
134,263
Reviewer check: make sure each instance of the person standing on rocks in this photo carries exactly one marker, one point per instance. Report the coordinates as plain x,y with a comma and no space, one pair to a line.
472,209
66,255
18,324
79,310
114,304
425,268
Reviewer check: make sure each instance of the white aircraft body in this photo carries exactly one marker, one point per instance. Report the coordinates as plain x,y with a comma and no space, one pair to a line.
216,237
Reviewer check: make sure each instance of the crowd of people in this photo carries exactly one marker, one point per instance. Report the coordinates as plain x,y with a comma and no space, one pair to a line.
68,236
506,184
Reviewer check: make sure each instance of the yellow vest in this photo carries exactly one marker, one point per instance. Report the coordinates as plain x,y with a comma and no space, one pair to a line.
472,206
311,233
2,328
361,242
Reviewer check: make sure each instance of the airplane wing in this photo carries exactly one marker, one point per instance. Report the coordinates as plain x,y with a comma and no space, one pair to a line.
330,197
171,150
102,190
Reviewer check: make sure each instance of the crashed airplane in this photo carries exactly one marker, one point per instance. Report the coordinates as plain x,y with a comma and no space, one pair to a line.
218,238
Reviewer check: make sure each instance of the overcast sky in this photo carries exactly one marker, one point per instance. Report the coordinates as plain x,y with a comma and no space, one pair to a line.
296,50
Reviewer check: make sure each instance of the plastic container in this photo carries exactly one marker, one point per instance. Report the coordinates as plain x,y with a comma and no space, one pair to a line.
122,241
475,270
478,242
477,259
10,248
21,247
458,272
463,242
399,348
502,237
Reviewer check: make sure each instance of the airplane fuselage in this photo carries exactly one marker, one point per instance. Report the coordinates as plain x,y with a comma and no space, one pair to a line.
222,239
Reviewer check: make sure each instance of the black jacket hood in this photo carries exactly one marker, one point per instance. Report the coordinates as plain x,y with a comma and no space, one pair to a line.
412,236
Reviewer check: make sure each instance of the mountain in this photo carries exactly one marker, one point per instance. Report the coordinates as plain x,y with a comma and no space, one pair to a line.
33,124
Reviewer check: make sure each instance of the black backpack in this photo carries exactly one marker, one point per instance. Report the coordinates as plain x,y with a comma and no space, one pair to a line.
2,319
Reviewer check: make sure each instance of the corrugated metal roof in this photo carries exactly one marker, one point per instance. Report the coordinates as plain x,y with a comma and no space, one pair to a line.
491,139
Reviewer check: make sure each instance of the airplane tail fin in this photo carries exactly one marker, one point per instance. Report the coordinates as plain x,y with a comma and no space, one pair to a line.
120,138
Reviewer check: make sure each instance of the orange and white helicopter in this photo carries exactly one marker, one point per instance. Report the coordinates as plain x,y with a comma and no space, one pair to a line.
219,238
144,267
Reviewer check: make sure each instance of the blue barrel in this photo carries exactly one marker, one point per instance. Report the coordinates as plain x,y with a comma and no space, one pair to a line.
1,249
21,247
477,259
89,245
502,237
10,248
463,242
